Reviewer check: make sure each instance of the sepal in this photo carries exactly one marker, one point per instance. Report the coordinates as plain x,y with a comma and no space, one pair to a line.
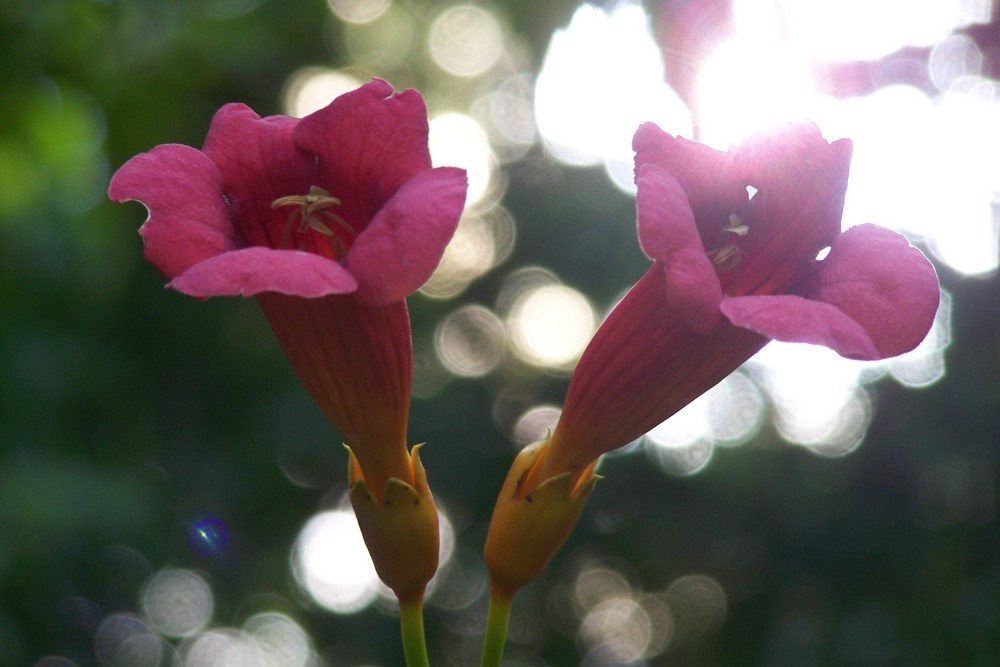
401,530
530,525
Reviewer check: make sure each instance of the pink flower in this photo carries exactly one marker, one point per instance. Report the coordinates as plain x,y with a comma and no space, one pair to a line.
342,201
330,221
734,268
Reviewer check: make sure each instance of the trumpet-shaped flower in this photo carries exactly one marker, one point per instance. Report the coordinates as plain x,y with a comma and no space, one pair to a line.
330,221
736,240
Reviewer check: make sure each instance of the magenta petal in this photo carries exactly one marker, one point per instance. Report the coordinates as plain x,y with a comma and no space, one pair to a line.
368,142
666,222
403,244
257,269
259,163
794,319
182,190
668,234
879,280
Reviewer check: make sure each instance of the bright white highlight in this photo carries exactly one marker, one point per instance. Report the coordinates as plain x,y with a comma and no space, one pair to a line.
456,140
747,85
929,169
840,30
312,88
816,392
551,325
602,77
331,562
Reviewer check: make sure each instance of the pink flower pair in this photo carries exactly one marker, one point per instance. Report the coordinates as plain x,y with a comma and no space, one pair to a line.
332,220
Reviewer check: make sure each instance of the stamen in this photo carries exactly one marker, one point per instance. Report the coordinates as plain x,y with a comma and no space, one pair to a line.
727,257
736,226
313,208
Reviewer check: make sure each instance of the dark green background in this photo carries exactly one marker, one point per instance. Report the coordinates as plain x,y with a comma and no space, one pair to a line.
128,411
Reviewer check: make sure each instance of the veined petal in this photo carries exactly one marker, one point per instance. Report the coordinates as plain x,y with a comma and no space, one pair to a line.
259,163
794,319
356,361
254,270
412,229
667,233
182,190
879,280
368,143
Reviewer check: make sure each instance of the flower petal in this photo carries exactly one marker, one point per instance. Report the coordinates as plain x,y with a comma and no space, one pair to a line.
800,181
667,233
879,280
182,190
403,244
793,319
259,163
257,269
705,174
369,142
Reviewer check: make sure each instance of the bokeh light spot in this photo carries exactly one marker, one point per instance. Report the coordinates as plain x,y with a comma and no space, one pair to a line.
457,140
312,88
819,403
925,365
698,604
470,341
178,603
331,563
466,40
280,639
358,11
550,326
535,424
620,626
224,648
125,641
481,240
953,58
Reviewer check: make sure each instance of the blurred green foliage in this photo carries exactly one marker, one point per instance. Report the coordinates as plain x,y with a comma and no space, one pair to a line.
128,411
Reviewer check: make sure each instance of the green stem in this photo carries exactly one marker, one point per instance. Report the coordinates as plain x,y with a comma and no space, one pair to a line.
496,629
411,624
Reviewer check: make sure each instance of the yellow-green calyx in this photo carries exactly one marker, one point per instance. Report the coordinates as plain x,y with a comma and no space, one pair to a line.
530,525
401,530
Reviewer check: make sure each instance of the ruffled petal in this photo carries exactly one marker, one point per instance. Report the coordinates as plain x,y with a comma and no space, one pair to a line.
403,244
182,190
368,142
794,319
879,280
257,269
667,233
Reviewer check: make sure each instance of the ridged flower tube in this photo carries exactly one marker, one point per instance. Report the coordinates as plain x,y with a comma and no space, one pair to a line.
330,221
734,238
